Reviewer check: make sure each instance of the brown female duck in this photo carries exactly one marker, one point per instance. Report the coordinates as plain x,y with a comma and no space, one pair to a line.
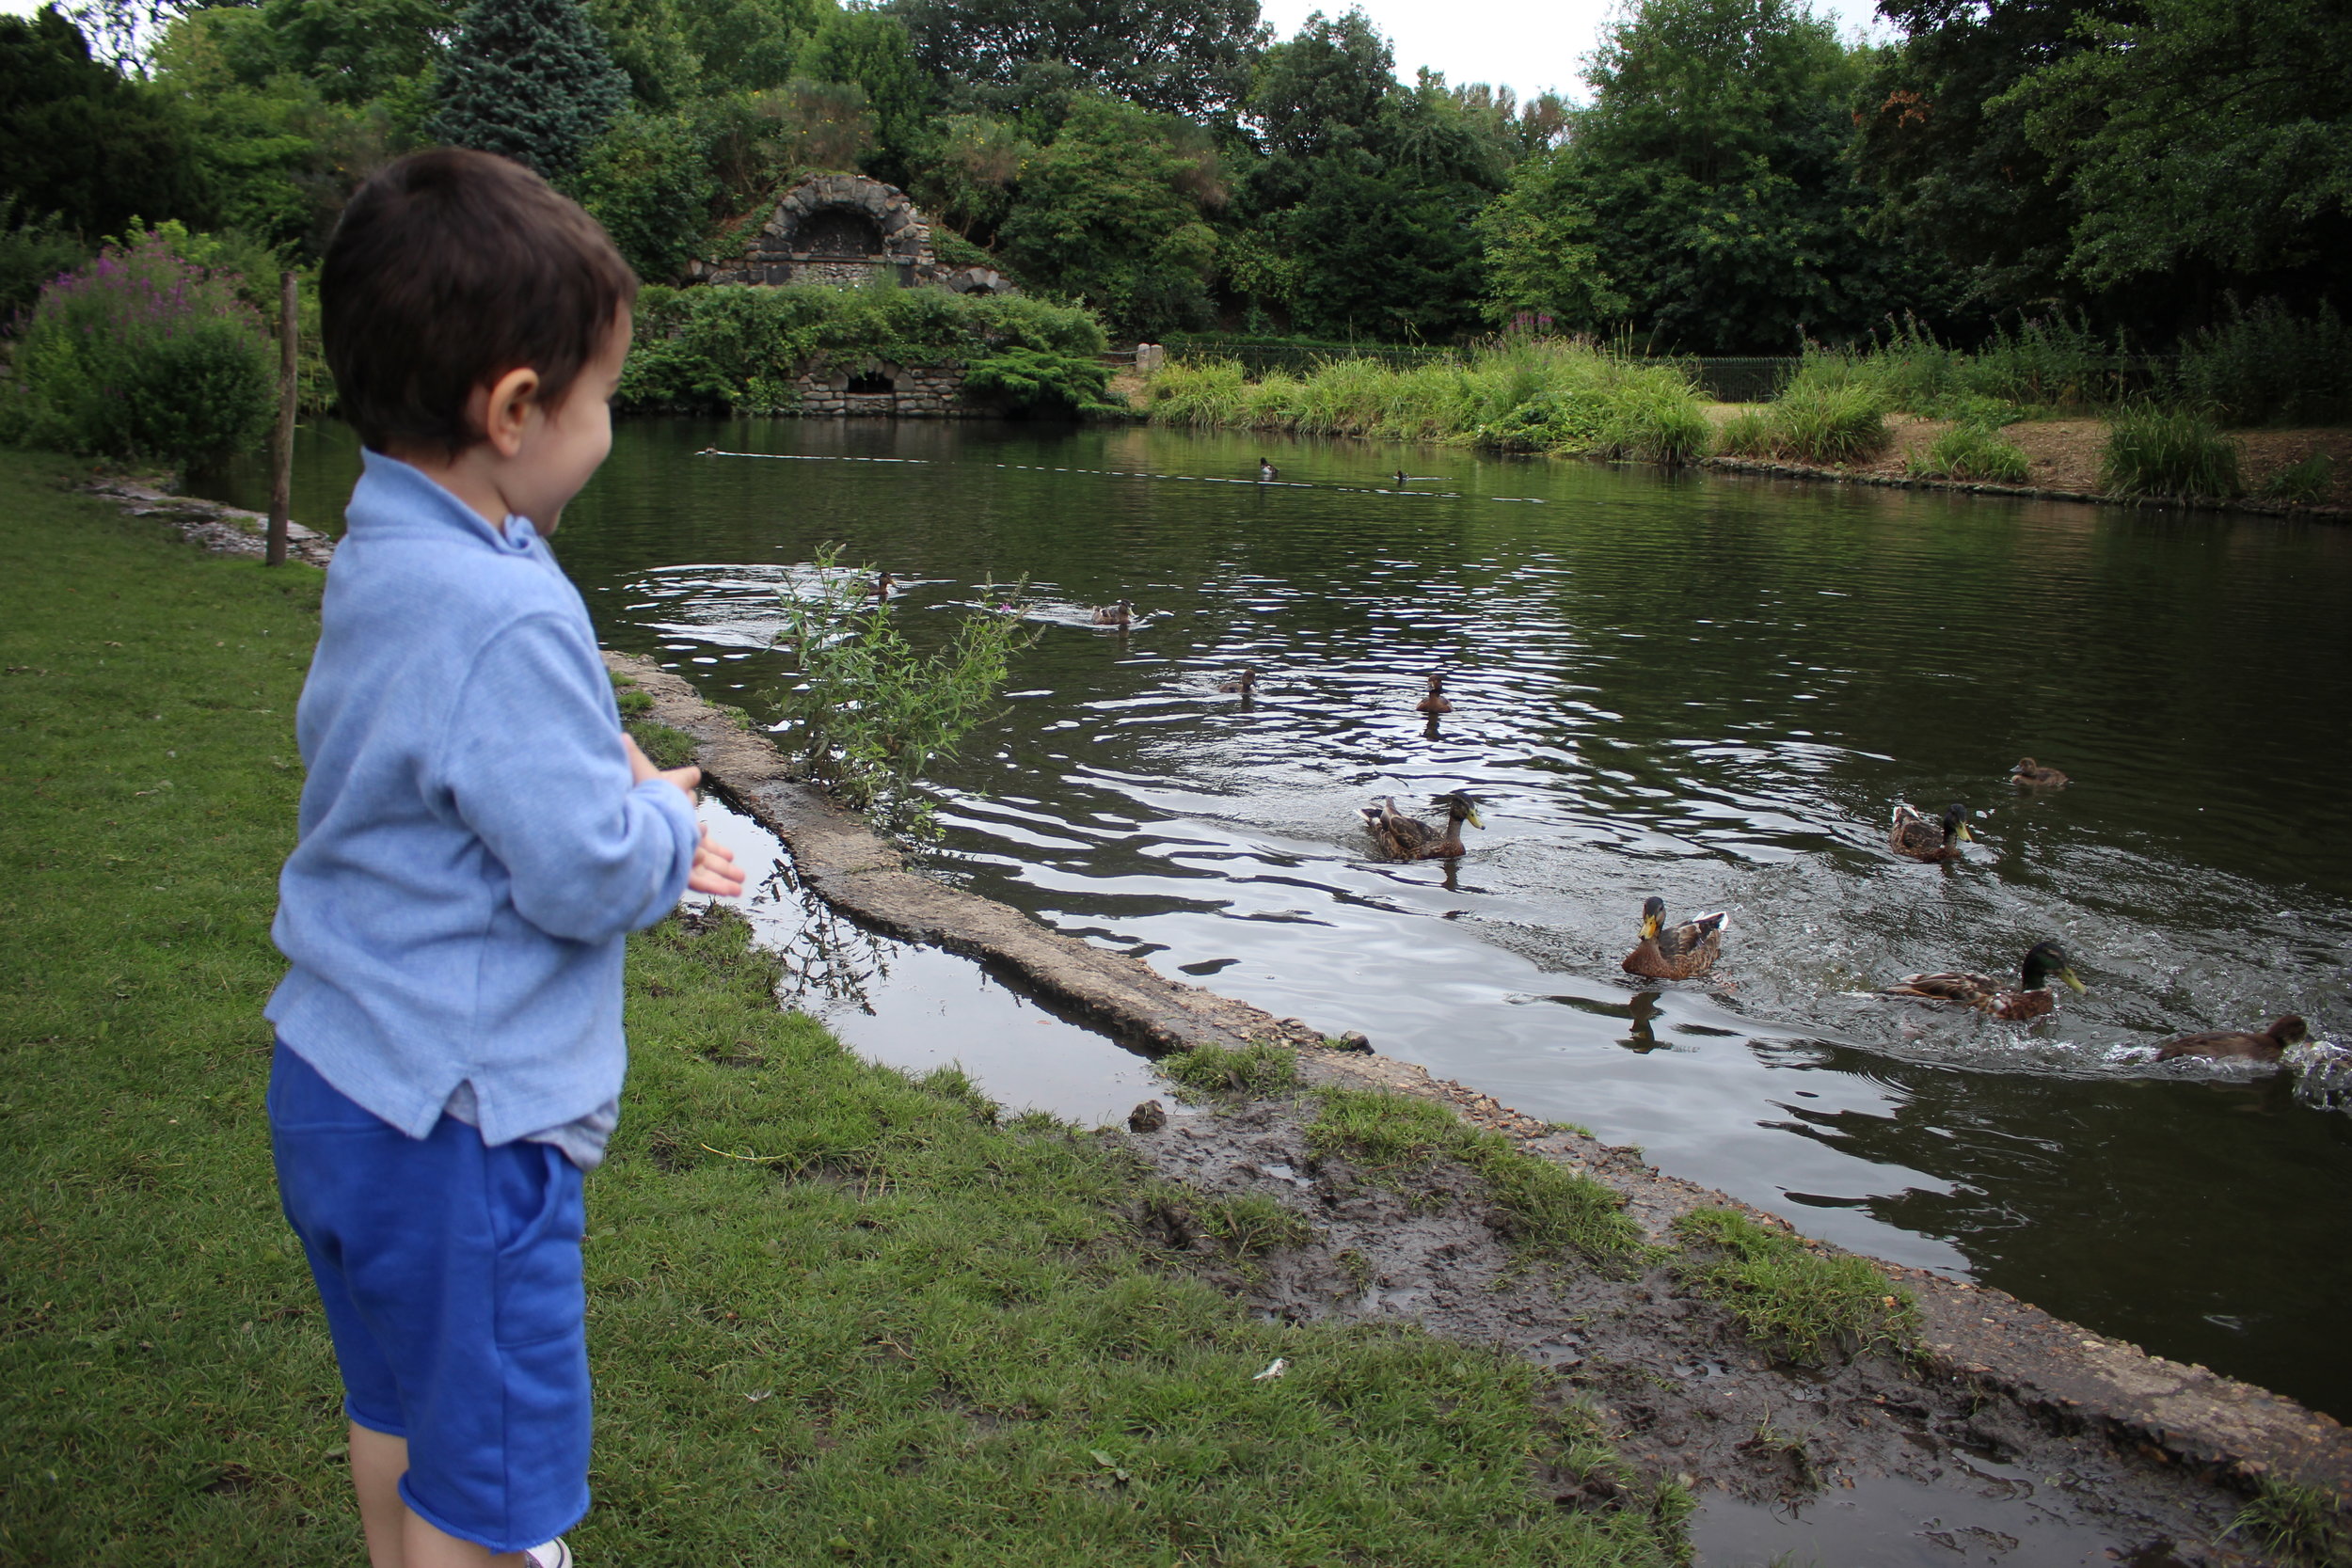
1120,614
1434,702
1987,995
1682,952
1915,835
2267,1046
1242,684
2032,776
1408,838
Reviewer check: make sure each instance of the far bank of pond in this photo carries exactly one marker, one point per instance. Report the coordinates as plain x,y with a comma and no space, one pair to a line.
1705,688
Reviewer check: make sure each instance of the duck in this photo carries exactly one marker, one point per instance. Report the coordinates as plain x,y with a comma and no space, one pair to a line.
1434,702
883,586
1915,835
2034,776
1408,838
1681,953
1120,614
1400,481
1267,472
2269,1046
1241,685
2031,999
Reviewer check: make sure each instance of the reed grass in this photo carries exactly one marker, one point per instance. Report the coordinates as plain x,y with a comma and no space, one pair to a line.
2158,452
1972,451
1569,397
2304,483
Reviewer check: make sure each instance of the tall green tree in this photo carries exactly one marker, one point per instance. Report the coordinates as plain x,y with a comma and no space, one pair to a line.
78,140
1173,57
1707,194
528,80
873,51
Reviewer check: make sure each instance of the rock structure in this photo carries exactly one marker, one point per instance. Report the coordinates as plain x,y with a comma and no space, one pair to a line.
846,229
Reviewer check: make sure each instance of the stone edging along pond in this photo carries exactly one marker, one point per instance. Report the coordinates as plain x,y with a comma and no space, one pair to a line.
1769,469
2192,1425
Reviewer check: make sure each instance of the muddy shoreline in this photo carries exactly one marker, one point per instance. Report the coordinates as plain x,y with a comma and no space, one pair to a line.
2155,1455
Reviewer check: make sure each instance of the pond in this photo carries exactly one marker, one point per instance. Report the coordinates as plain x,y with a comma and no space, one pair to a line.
1706,688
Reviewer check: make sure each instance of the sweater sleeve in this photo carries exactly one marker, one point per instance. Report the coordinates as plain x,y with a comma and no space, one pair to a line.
534,765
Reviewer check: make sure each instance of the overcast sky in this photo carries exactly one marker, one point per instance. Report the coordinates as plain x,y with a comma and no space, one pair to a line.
1528,44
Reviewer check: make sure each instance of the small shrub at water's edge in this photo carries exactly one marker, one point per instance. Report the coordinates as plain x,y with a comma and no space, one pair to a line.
2266,365
1816,421
1968,452
2298,1524
2153,452
2304,483
1254,1070
1747,433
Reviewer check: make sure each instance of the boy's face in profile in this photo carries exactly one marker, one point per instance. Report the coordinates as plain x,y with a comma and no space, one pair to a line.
562,447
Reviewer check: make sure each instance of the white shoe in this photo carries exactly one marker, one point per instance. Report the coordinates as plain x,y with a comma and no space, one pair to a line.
554,1555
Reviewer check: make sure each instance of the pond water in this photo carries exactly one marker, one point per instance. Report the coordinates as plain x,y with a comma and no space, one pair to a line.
1706,688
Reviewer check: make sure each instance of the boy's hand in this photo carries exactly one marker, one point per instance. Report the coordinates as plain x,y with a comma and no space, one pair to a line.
714,868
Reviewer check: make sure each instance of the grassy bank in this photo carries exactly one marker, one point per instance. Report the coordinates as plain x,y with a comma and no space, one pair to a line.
837,1315
1555,396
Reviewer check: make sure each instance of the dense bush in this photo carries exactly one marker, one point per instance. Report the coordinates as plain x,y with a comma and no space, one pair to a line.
2156,451
739,348
648,181
1521,396
143,357
2036,364
33,252
1041,381
2266,365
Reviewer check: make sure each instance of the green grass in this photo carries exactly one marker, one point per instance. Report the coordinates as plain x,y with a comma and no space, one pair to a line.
1562,397
2297,1524
2304,483
664,744
1254,1072
2157,452
836,1314
1552,1212
1972,451
1800,1303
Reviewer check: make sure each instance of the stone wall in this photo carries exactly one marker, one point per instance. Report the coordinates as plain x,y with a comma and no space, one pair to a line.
917,391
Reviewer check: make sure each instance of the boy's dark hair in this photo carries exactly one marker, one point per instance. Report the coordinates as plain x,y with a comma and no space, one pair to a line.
446,270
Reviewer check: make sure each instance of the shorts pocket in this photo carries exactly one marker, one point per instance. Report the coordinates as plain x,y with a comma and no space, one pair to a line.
540,1292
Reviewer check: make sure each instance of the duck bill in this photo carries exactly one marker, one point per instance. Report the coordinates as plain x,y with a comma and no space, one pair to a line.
1473,817
2072,983
1966,836
1649,926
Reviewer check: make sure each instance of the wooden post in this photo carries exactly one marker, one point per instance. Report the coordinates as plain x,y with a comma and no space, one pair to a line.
281,439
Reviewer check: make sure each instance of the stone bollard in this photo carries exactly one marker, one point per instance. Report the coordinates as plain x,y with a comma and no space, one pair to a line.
1149,358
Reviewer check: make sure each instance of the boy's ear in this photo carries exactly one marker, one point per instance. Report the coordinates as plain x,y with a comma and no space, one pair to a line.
502,410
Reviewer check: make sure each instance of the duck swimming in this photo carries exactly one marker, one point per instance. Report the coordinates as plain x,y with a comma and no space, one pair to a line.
1408,838
1981,992
1915,835
883,585
1267,472
1682,952
1400,479
2034,776
1242,684
1120,614
2267,1046
1434,702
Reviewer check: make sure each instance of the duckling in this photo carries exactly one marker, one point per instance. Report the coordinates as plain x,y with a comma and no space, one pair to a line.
1984,993
2269,1046
1434,702
1242,684
1913,835
1408,838
1683,953
1400,481
883,586
2034,776
1120,614
1267,472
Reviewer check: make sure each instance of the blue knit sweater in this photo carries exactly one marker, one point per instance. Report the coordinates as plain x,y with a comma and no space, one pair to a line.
472,852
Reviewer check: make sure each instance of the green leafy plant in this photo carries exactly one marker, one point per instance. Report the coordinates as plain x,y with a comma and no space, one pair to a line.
1972,451
1747,433
2299,1524
1819,421
1249,1225
2304,483
1041,381
141,356
1254,1072
870,708
1799,1301
2264,364
2157,452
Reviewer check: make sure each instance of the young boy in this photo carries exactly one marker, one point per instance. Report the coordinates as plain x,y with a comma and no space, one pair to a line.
477,837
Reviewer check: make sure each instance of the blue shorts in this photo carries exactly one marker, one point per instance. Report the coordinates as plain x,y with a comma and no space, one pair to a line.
450,1275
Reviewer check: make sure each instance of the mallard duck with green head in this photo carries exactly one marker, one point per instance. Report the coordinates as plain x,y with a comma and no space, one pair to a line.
1409,838
2030,999
1681,952
1923,839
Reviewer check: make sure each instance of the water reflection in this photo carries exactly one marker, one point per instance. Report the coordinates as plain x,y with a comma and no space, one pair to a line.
1705,688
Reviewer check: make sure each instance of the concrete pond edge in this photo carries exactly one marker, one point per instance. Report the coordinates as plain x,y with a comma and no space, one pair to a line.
2077,1380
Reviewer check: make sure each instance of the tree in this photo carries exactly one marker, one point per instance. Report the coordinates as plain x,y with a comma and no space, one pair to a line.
1706,190
528,80
873,52
1172,56
747,45
648,182
1110,214
2208,136
79,140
